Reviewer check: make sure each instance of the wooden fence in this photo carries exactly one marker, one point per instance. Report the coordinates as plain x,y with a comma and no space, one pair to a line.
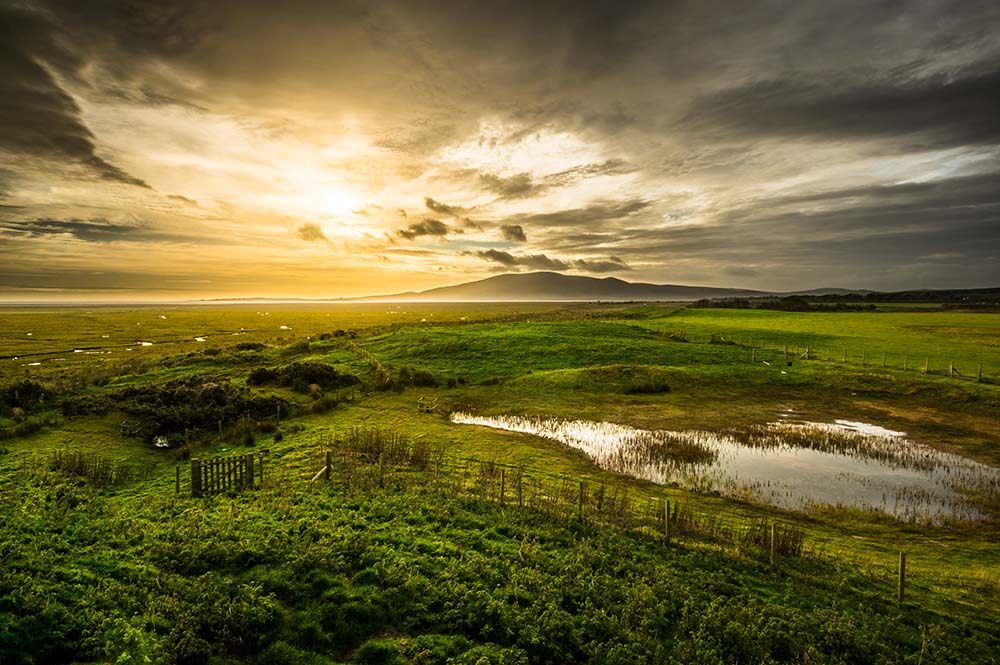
223,474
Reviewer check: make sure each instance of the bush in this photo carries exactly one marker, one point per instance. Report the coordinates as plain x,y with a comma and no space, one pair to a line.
650,387
184,405
24,394
248,346
302,377
379,652
260,376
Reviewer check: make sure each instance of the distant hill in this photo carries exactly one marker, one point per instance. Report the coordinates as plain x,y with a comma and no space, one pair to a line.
542,286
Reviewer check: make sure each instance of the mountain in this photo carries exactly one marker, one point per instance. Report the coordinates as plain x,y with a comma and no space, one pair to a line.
541,286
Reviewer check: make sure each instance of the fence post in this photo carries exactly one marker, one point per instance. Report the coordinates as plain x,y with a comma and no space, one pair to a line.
951,369
195,477
753,356
927,362
883,359
845,355
178,485
901,591
904,362
666,520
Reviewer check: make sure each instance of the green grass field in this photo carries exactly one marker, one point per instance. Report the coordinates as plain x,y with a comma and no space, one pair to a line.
289,574
936,335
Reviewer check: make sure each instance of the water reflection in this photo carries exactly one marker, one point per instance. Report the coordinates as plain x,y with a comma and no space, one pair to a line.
793,465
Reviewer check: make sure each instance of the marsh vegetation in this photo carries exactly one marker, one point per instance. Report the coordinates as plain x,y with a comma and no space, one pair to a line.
104,561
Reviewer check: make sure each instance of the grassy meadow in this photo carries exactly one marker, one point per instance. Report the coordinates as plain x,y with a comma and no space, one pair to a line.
130,571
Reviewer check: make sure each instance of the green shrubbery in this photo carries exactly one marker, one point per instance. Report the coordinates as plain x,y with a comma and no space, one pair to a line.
25,394
301,376
186,405
394,578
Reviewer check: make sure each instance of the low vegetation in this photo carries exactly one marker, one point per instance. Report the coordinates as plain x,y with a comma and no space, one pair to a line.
103,562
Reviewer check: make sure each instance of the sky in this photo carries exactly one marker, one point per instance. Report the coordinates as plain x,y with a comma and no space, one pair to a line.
237,148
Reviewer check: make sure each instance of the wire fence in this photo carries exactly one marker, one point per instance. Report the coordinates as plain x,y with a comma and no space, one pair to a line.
774,352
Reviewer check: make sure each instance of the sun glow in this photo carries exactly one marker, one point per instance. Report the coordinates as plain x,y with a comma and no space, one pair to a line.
332,201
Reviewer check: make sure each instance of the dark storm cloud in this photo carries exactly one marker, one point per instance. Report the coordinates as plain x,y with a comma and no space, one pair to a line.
945,232
311,233
941,195
926,113
38,118
428,227
513,233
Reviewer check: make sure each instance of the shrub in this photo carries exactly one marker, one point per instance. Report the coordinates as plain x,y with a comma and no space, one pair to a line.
379,652
650,387
261,375
302,377
182,405
25,394
248,346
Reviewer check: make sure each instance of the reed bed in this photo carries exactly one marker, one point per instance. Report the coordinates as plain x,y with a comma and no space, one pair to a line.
94,469
880,470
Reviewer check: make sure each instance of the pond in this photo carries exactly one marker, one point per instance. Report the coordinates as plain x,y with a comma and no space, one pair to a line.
792,464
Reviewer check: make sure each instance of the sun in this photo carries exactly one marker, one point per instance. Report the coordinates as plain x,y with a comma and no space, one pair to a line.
332,201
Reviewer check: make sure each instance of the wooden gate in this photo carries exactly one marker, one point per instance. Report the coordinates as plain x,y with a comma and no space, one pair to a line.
223,474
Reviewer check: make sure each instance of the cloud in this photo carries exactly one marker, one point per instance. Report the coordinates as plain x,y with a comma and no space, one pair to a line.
597,213
613,264
513,233
312,233
443,208
97,230
928,112
518,186
471,225
40,119
544,262
741,271
428,227
530,261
